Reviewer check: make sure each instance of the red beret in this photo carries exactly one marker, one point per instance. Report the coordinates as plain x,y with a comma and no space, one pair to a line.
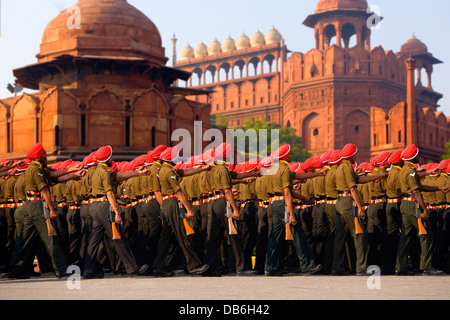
396,157
382,159
157,152
170,154
294,166
223,151
335,157
36,151
282,152
410,152
325,157
104,154
349,151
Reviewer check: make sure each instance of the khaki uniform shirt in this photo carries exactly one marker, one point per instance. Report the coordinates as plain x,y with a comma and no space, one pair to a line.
393,189
330,183
378,189
408,178
440,182
19,188
345,176
168,178
102,181
36,178
282,179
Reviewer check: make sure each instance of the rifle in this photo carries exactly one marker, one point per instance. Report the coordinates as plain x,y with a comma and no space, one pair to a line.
231,228
358,228
422,230
112,219
50,229
187,226
289,235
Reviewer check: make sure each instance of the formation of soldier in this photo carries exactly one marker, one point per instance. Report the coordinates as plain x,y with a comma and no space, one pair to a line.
156,216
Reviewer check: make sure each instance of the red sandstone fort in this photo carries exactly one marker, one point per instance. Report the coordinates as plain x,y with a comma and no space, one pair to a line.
108,83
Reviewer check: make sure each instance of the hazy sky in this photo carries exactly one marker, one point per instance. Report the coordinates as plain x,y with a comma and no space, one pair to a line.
23,22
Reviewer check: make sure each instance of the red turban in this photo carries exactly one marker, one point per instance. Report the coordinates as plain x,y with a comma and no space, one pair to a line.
208,156
158,151
294,166
335,157
251,165
369,168
36,151
410,152
316,163
306,166
382,159
170,154
396,157
349,151
223,151
266,162
282,152
104,154
325,157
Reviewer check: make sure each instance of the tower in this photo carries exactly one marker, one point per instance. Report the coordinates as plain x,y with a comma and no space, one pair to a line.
174,53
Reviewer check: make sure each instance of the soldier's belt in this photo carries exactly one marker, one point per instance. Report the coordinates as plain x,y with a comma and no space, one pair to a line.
375,201
276,198
344,194
396,200
412,199
33,193
306,206
320,201
61,205
169,196
331,201
33,199
85,202
74,207
101,199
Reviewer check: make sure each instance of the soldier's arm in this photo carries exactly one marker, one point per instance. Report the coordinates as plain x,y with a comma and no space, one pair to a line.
45,194
192,171
114,207
310,175
122,176
367,179
290,205
419,198
182,198
357,198
248,175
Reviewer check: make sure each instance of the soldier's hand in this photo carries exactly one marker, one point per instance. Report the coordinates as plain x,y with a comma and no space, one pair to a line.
75,168
445,189
292,219
53,215
361,214
323,172
144,172
118,218
236,215
207,167
425,215
235,192
190,214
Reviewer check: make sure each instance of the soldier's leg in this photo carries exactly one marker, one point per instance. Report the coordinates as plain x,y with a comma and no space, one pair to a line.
330,210
306,220
338,265
303,250
320,232
249,232
74,236
155,228
390,242
275,237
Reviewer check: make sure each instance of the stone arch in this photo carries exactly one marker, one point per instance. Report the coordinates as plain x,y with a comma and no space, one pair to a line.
348,35
313,132
357,129
329,34
238,69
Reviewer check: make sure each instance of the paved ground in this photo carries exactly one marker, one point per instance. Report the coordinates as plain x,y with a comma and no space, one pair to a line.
250,288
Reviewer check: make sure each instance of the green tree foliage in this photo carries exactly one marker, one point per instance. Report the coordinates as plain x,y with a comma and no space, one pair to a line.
286,135
447,155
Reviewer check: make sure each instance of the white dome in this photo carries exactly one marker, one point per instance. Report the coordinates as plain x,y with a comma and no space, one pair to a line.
201,50
243,42
214,48
187,53
257,39
273,36
228,45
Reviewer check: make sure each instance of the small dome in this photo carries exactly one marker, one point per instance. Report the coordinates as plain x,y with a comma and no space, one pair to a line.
273,36
332,5
201,51
257,39
414,45
187,53
228,45
243,42
214,48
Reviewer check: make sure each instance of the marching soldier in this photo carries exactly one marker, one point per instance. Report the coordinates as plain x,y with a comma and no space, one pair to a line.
174,202
412,200
104,205
282,184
